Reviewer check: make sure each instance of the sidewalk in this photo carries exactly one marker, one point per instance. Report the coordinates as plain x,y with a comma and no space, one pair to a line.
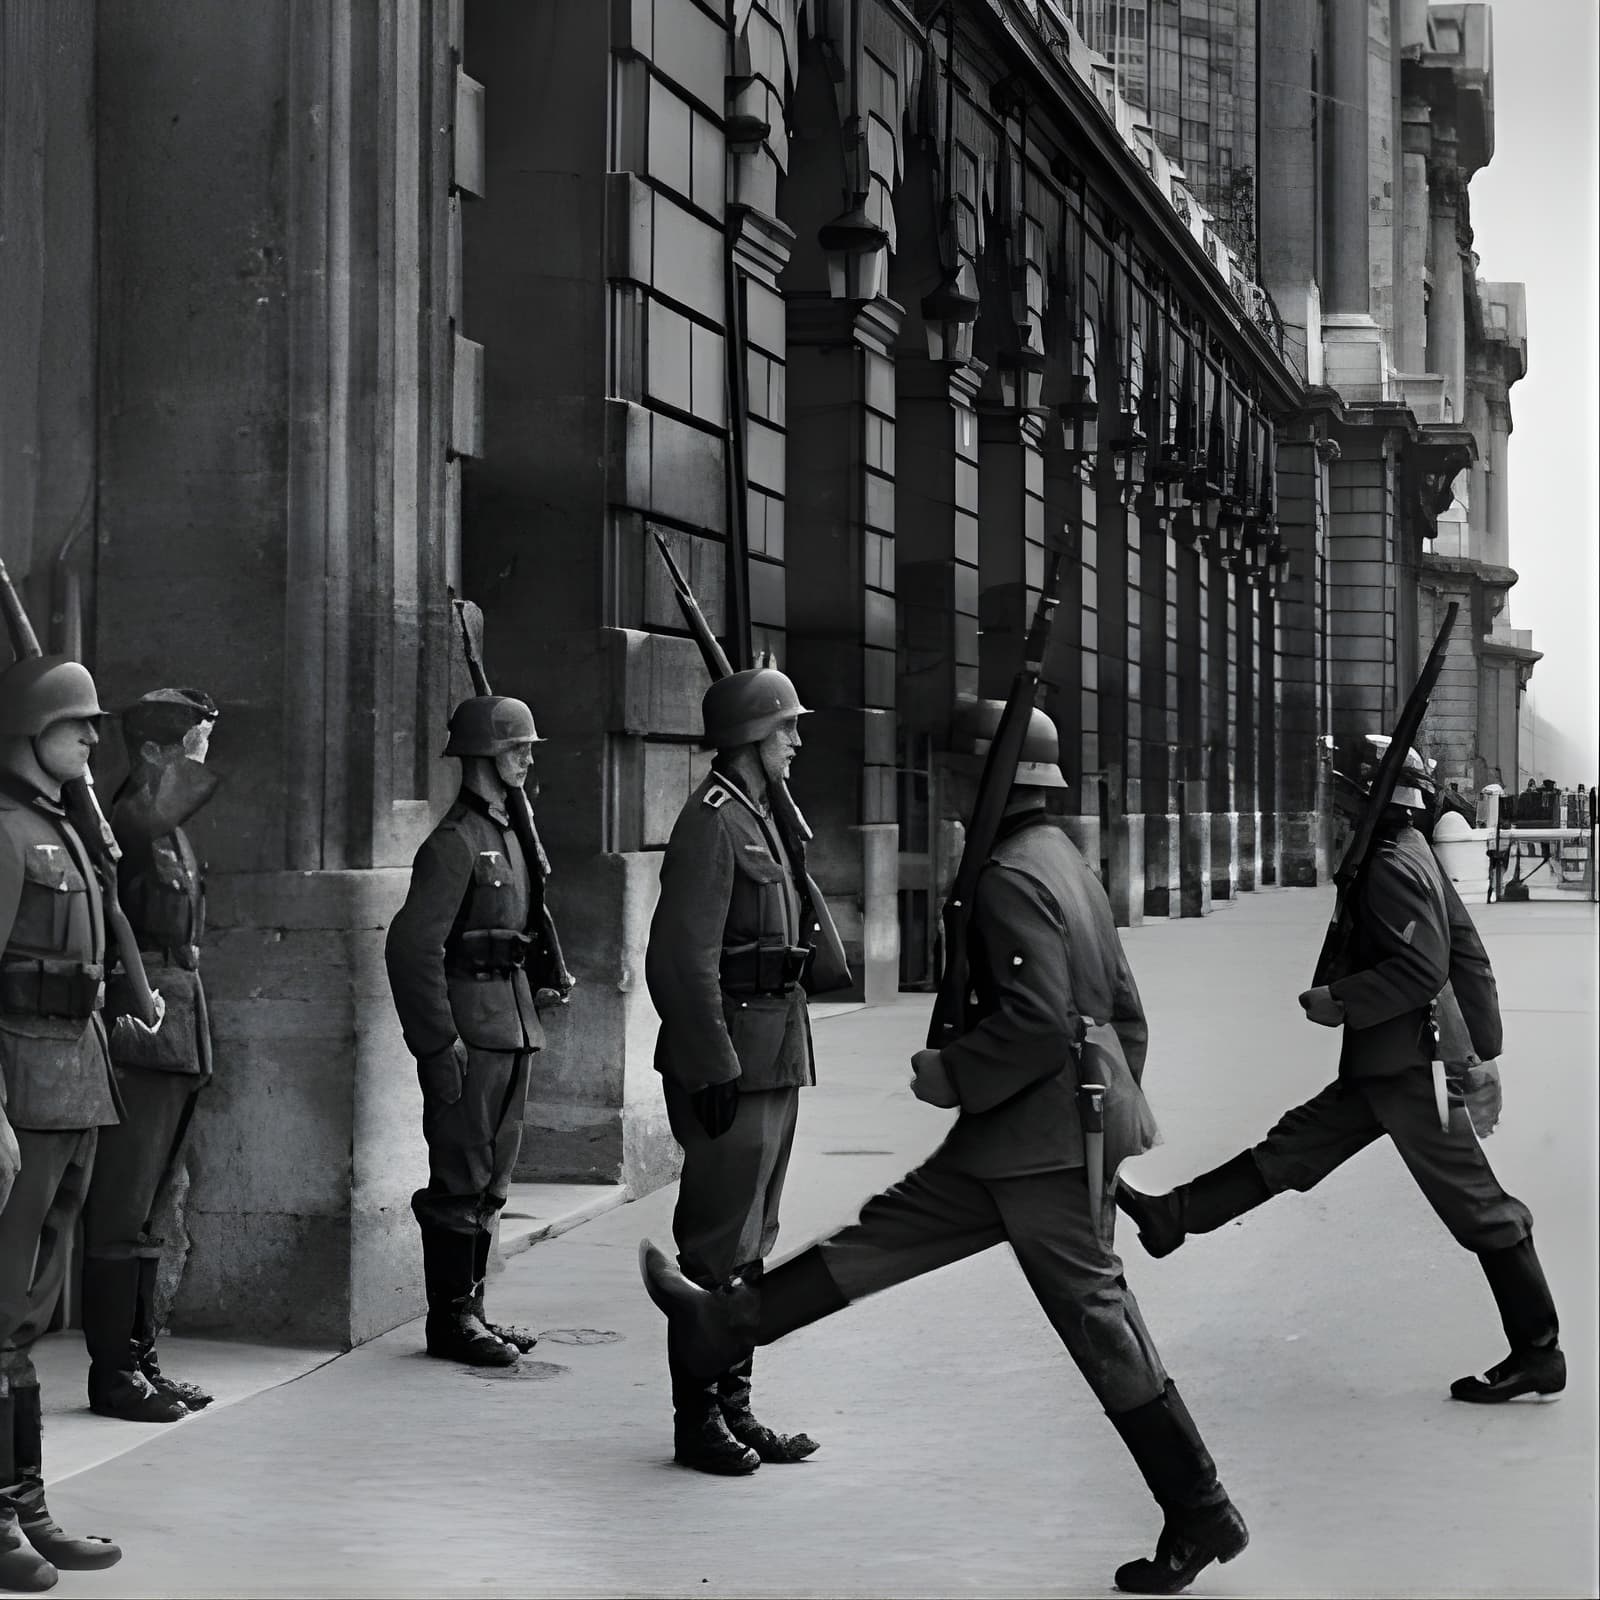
961,1453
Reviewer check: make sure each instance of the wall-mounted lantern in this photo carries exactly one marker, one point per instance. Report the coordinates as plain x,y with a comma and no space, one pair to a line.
857,250
1079,414
948,315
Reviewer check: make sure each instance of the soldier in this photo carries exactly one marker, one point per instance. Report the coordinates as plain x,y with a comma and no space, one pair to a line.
725,964
162,888
458,954
1415,945
1056,1006
59,1089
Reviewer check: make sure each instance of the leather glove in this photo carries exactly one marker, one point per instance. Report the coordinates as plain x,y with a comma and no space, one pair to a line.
1476,1086
10,1159
716,1106
1321,1007
931,1082
444,1073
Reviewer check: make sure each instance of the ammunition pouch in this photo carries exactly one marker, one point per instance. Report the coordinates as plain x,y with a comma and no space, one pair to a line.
763,967
487,953
37,986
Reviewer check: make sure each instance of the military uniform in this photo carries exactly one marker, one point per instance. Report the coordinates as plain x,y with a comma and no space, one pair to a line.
59,1094
1415,947
724,966
1054,1004
161,886
457,956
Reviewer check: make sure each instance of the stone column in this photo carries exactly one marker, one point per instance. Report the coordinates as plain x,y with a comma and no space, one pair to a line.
1353,350
1010,540
1447,344
1247,646
1158,676
283,388
1295,623
1221,641
841,612
1411,294
1117,582
1497,550
1195,708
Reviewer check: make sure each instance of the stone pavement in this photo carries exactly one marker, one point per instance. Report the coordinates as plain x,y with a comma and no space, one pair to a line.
961,1453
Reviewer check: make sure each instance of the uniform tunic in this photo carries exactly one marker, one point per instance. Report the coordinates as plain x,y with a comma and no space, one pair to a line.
161,885
723,976
1413,938
54,1065
469,878
1057,1004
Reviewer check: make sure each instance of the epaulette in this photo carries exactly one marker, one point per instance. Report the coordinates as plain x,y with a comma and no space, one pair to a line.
716,797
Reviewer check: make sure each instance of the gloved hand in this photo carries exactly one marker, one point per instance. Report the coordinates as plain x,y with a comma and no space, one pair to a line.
931,1082
444,1074
10,1159
1476,1085
1321,1007
716,1106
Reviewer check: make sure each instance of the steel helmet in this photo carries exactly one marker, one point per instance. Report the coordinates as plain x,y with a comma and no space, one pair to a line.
488,724
1413,788
745,707
41,690
977,721
164,716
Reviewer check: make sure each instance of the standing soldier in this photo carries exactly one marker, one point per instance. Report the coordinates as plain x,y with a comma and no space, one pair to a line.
1056,1008
1415,945
458,953
724,965
59,1090
162,888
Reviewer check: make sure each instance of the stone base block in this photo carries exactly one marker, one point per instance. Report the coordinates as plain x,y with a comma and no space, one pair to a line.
305,1149
1224,856
1354,360
1195,864
1126,889
1249,851
1163,881
1302,850
595,1113
880,922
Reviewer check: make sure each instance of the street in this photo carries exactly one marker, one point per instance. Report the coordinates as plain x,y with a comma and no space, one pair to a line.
1314,1340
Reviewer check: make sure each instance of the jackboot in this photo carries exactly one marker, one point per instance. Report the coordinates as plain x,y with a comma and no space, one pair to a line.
507,1333
117,1385
27,1495
454,1332
22,1569
733,1394
700,1435
718,1326
1528,1314
1201,1523
1202,1205
144,1342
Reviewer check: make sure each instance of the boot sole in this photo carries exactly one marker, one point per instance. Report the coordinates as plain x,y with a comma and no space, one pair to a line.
730,1471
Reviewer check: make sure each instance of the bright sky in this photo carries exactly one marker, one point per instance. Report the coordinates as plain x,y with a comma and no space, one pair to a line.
1534,219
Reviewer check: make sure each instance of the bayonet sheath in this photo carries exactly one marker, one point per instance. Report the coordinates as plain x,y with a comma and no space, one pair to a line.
1092,1115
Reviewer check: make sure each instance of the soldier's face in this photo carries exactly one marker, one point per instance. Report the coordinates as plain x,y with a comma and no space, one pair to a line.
778,748
64,748
515,764
197,741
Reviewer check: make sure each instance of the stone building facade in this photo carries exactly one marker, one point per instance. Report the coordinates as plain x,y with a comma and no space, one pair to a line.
869,309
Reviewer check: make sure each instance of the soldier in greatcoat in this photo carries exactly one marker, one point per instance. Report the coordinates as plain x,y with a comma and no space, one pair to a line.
1417,963
59,1091
1056,1006
725,966
161,884
459,953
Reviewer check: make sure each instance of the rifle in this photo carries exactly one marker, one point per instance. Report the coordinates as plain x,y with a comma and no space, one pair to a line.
994,788
520,809
1353,865
82,806
829,969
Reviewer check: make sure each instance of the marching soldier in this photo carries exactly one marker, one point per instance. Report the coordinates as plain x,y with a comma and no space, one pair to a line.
1415,945
458,954
162,889
1056,1008
59,1089
725,964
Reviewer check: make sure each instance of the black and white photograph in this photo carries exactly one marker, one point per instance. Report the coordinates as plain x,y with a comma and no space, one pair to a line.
798,799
